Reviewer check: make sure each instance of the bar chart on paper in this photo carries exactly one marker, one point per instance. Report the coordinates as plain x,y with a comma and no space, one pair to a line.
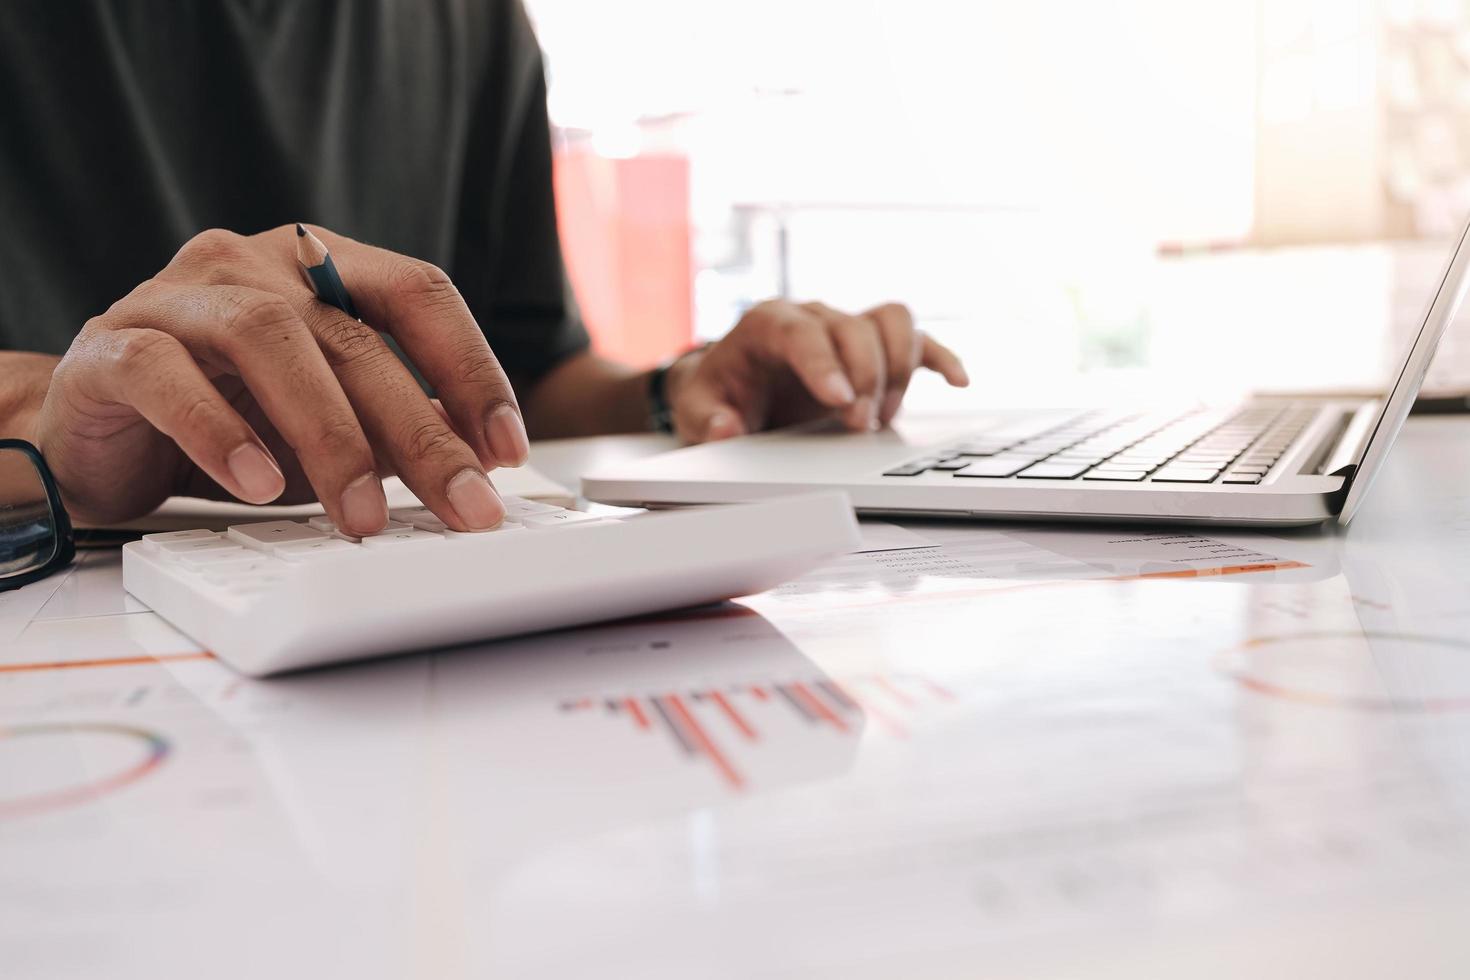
731,728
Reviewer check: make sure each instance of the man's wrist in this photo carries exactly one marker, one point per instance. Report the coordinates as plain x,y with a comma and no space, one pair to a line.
25,378
664,383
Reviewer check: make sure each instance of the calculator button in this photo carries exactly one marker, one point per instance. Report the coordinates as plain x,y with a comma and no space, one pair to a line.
520,506
162,538
174,550
306,550
562,518
216,556
392,539
265,535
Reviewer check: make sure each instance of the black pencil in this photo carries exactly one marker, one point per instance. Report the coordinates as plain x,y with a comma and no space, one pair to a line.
321,272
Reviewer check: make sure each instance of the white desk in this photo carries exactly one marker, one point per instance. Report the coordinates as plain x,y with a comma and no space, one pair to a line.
1010,756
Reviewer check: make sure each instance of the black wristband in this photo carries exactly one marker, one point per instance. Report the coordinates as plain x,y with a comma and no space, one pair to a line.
660,412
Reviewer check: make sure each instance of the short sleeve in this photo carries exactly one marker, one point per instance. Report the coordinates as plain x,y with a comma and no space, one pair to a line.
507,258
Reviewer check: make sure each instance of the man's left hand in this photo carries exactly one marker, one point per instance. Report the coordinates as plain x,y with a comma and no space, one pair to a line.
794,362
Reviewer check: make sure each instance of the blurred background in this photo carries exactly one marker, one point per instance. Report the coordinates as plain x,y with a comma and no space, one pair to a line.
1082,198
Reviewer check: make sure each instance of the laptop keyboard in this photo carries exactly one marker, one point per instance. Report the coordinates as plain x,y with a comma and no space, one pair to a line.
1196,447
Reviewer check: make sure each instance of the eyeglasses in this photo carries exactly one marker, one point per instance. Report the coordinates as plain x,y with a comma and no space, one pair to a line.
35,533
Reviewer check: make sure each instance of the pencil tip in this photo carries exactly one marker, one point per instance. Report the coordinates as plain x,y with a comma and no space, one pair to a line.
300,231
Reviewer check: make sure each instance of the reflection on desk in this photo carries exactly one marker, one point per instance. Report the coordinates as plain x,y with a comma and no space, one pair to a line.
1016,752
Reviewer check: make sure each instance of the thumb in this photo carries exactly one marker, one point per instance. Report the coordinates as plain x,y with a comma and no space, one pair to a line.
703,415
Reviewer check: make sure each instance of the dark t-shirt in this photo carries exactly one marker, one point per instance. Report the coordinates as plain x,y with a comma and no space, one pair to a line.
128,126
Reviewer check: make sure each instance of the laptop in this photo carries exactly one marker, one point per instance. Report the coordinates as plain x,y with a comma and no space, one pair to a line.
1269,461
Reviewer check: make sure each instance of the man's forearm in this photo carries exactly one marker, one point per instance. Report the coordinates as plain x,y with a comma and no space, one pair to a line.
586,395
24,378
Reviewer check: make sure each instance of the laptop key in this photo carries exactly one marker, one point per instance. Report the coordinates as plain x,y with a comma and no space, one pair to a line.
1175,474
1117,476
949,465
1237,477
997,466
1053,471
909,469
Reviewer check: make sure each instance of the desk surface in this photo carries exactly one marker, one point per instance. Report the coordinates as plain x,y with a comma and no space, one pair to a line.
1016,751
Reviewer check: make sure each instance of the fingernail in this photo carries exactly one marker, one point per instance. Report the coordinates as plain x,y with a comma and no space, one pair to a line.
475,501
961,377
506,434
257,475
840,388
721,426
364,508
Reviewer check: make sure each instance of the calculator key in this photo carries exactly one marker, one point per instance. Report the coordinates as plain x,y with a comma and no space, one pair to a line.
249,584
324,524
402,536
216,556
520,506
265,535
307,550
253,562
562,518
507,525
174,549
164,537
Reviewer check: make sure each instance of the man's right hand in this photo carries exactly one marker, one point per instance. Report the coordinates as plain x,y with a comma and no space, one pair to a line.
225,376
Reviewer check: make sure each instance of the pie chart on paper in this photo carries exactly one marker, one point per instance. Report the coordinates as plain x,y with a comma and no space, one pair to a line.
1366,671
49,767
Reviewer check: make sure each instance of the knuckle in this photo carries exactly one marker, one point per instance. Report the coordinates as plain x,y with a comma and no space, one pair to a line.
94,327
340,438
198,414
213,246
142,351
419,280
896,311
484,371
255,315
346,342
767,313
429,439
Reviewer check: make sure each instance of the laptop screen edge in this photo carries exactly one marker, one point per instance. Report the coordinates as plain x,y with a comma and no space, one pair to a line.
1415,365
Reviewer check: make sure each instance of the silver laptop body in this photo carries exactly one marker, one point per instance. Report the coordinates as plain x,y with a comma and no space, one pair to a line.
1268,462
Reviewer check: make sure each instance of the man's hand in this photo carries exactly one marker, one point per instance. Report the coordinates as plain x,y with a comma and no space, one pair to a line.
224,376
785,363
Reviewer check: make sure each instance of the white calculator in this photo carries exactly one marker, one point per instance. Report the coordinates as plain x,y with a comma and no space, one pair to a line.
281,595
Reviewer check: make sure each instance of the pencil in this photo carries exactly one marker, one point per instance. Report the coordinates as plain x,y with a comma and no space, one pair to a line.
321,272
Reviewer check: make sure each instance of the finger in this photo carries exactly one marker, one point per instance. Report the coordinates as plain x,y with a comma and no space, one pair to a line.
861,351
901,349
154,374
258,335
704,415
408,430
420,307
937,357
796,339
